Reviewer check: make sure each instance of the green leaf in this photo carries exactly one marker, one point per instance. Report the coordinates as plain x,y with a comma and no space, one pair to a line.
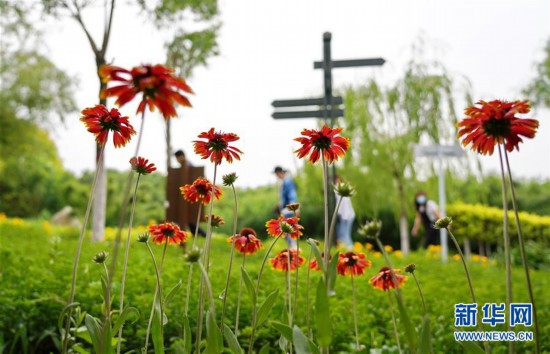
410,332
214,342
322,315
77,348
332,273
266,306
64,312
301,343
107,338
471,347
231,340
316,252
123,316
285,330
106,291
265,349
249,285
425,345
156,330
171,294
187,336
92,324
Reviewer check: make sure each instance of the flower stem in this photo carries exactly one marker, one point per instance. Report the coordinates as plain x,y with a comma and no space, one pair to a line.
124,267
523,255
79,249
355,314
190,274
507,247
333,221
325,202
206,261
230,257
108,299
420,292
289,295
307,290
157,287
394,322
254,302
239,298
296,276
124,205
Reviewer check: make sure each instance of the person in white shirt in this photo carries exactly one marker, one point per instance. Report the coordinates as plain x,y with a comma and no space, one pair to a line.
346,216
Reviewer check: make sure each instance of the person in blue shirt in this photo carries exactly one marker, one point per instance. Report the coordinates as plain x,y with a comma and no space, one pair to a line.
287,195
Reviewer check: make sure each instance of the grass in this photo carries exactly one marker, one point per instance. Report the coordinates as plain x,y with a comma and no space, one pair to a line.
36,262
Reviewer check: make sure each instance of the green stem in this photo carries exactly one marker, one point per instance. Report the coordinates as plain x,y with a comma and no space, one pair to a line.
239,299
289,295
79,250
394,322
190,275
158,293
230,257
206,261
297,278
357,348
421,294
333,221
307,290
325,202
125,266
507,247
108,299
523,255
254,302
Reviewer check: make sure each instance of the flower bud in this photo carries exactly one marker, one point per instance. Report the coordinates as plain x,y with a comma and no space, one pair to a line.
229,179
443,223
344,189
293,206
371,229
143,237
100,257
286,227
410,268
193,256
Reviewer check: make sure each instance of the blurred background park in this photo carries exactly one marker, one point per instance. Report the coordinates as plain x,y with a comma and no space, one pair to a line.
239,56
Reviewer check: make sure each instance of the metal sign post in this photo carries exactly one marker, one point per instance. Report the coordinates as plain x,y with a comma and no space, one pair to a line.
440,152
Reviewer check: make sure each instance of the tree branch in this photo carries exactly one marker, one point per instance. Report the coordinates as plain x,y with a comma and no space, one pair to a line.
107,33
76,15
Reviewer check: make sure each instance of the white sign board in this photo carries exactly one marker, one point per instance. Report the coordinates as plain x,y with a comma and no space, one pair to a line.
438,151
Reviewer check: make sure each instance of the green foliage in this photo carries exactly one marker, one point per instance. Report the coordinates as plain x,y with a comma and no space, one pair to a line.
539,88
35,282
482,223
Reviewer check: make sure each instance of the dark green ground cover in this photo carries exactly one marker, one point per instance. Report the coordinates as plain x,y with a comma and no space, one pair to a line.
35,281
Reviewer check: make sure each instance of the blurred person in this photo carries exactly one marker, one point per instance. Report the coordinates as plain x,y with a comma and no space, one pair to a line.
427,213
287,195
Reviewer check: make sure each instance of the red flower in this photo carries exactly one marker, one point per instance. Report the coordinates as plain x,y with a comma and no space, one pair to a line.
160,88
281,260
167,232
216,147
200,191
496,122
276,227
142,165
313,265
352,263
216,220
246,241
99,121
383,280
325,141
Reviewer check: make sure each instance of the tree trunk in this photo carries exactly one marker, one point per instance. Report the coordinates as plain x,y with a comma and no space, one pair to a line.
100,197
168,145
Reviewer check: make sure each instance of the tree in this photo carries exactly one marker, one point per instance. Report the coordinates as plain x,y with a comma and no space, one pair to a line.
384,124
165,14
539,88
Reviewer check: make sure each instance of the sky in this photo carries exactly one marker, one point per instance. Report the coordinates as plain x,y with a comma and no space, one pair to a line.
267,52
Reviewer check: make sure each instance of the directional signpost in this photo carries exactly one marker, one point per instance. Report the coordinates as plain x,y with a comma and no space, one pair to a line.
440,152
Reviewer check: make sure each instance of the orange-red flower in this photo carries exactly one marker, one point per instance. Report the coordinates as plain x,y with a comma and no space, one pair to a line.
215,221
313,265
160,88
167,232
281,261
383,280
200,191
496,122
99,121
142,165
216,147
246,241
325,141
276,227
352,263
